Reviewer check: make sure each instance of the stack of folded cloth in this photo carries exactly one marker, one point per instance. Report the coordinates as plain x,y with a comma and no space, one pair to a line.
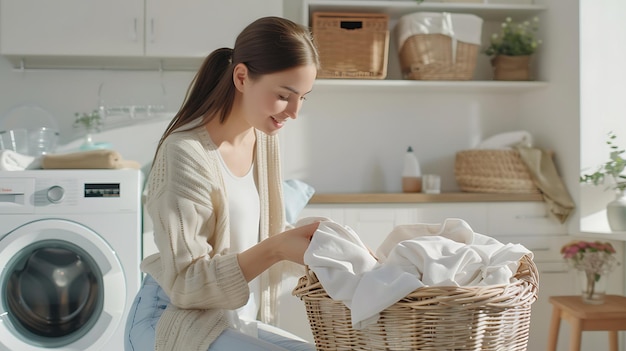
412,256
104,159
92,159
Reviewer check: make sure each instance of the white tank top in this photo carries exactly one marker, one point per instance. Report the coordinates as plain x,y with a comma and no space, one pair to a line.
244,213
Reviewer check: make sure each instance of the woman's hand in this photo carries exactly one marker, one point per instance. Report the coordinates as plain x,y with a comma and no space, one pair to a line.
289,245
293,243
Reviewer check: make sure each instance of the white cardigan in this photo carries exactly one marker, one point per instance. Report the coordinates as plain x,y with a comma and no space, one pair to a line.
194,266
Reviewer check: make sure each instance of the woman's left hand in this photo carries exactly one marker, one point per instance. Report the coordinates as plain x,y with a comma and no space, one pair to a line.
289,245
293,243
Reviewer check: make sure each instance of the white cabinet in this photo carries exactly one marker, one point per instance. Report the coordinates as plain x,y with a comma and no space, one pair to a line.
193,28
119,33
529,218
71,27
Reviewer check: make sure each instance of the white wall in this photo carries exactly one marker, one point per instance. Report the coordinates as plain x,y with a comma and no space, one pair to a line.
602,97
65,92
354,139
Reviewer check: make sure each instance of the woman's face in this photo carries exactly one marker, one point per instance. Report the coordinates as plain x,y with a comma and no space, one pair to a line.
270,100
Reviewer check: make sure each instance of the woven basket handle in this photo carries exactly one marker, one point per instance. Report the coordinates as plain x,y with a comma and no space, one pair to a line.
311,275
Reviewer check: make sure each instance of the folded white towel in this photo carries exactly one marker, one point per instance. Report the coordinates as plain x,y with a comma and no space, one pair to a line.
507,140
412,256
14,161
462,27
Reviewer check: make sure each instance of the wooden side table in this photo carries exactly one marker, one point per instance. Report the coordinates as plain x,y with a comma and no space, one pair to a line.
609,316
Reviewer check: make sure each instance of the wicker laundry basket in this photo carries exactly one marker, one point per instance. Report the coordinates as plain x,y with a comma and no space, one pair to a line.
487,318
427,54
493,171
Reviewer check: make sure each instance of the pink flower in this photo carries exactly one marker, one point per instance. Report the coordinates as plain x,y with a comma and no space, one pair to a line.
595,256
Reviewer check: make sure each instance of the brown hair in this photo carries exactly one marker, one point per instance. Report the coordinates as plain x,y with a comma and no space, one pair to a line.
267,45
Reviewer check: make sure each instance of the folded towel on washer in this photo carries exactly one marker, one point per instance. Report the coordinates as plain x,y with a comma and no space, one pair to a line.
13,161
91,159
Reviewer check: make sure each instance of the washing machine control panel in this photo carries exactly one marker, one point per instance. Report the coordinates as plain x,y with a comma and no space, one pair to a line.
82,191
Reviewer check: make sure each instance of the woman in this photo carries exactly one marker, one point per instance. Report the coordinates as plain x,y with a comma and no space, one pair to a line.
215,197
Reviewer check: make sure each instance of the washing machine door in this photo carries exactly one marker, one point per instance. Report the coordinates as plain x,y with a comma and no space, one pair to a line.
63,287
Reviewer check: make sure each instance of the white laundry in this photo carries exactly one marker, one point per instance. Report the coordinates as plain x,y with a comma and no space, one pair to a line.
507,140
412,256
338,258
14,161
451,254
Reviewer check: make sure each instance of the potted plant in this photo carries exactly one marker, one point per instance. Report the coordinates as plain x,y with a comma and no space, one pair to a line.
91,122
512,48
612,171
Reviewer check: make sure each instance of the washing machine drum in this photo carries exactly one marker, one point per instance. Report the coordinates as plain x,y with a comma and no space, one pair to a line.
54,292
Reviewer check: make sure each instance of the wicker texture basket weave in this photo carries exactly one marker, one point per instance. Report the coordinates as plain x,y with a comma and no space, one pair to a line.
351,45
486,318
429,57
493,171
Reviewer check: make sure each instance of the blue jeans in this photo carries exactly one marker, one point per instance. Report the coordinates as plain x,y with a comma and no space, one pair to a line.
150,303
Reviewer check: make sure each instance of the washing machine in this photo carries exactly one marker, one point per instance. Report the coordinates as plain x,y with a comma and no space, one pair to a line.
70,249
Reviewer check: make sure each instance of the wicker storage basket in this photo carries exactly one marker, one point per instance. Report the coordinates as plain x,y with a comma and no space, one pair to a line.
433,55
351,45
487,318
493,171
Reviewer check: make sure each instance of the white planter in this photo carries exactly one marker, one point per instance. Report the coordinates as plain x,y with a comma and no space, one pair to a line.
616,213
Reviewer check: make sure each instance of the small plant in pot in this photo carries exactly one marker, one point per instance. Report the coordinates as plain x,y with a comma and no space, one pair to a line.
611,174
91,122
512,48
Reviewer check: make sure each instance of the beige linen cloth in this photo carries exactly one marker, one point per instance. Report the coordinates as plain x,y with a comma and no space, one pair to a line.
546,178
91,159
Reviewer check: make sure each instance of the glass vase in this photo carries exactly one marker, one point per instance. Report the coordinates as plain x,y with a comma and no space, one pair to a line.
593,287
88,142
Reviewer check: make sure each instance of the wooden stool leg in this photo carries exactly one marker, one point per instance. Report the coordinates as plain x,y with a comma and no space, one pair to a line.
555,324
575,336
613,340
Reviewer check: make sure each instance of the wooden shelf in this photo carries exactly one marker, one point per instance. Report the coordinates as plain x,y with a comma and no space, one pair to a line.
434,86
370,198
